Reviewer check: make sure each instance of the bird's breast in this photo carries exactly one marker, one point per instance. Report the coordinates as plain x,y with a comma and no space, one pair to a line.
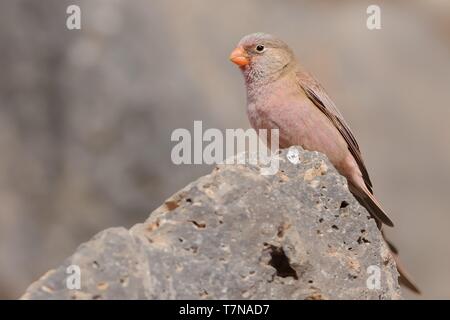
299,122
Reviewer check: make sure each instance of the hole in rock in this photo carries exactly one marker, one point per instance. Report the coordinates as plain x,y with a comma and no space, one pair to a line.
344,204
199,225
280,262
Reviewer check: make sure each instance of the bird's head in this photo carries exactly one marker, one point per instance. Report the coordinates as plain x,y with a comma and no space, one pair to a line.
261,56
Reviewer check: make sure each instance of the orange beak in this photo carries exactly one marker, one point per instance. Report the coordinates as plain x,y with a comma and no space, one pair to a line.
239,57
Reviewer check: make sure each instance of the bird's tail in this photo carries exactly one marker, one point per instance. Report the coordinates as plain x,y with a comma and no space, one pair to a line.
405,278
368,201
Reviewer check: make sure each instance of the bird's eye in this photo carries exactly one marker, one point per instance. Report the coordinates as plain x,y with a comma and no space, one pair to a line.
260,48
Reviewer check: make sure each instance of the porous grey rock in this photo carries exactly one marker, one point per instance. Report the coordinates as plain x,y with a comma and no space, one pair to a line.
238,234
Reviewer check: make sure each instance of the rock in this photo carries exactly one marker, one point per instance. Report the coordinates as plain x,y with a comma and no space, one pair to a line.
237,234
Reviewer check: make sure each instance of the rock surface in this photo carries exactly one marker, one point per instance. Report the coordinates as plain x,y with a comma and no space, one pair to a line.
237,234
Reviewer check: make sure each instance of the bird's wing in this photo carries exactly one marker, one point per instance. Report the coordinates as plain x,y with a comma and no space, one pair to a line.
320,98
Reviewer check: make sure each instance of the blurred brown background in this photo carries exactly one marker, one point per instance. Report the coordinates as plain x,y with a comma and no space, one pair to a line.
86,116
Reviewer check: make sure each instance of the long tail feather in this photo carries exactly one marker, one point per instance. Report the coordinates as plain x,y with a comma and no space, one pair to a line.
369,202
406,281
405,278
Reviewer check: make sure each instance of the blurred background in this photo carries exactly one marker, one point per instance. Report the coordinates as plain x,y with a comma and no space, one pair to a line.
86,115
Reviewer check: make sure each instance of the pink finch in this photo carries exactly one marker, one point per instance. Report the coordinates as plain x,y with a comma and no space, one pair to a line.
282,95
